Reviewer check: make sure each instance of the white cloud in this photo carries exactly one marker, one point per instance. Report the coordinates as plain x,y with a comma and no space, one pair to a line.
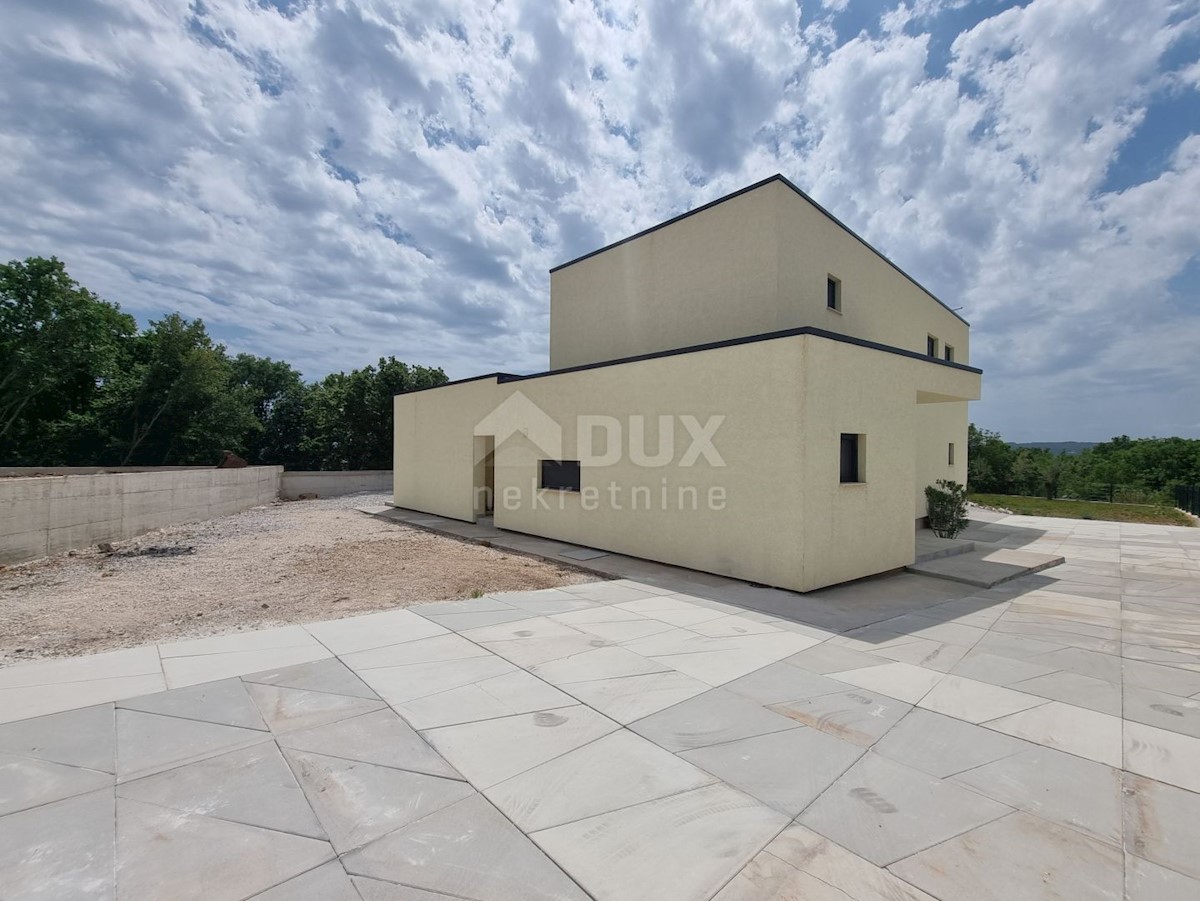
330,181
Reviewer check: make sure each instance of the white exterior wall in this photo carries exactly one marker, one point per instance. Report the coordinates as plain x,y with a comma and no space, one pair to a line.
754,263
937,426
787,520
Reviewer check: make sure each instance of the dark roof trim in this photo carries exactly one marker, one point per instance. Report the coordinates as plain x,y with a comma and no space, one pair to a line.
498,376
505,377
766,181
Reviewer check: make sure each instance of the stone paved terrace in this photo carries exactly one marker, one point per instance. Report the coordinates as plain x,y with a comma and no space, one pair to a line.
902,738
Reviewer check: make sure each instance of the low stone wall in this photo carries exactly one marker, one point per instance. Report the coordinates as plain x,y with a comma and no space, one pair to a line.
48,514
334,484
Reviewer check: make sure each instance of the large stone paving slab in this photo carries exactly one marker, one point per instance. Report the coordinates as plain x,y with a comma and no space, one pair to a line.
902,681
494,750
252,786
1019,856
627,699
785,770
1146,881
851,875
224,702
618,770
1086,733
1160,824
400,684
781,682
61,850
203,858
375,630
358,802
327,882
941,745
467,850
289,709
599,663
711,718
1065,789
766,876
1158,708
499,696
885,811
330,676
377,890
976,702
27,782
380,737
986,787
148,743
682,847
860,717
86,738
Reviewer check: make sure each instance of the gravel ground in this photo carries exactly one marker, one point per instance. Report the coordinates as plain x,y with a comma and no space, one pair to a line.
282,563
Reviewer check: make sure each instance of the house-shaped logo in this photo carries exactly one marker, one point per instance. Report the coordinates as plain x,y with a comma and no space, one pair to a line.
518,415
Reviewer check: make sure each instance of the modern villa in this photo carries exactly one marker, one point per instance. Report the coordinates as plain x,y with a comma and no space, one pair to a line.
748,389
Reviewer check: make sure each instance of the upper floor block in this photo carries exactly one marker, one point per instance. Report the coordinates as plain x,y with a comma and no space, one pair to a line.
764,259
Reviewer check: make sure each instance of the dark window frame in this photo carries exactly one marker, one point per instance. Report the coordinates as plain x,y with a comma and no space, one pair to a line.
948,353
950,454
559,475
931,346
833,293
850,463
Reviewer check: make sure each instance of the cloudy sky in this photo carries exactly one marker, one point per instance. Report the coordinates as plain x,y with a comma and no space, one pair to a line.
327,182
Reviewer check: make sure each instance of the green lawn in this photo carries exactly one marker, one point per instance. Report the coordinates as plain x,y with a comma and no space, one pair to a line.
1039,506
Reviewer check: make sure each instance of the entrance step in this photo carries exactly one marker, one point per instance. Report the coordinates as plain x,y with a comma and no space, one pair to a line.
986,568
930,547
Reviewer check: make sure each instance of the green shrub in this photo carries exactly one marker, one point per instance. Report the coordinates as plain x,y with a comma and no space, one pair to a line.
946,505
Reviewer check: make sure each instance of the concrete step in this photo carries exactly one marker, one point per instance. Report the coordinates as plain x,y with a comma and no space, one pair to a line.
986,568
930,547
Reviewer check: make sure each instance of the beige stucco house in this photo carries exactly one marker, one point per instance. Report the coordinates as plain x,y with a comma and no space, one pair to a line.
748,389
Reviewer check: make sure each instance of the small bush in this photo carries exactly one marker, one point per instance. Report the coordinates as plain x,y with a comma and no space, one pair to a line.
946,505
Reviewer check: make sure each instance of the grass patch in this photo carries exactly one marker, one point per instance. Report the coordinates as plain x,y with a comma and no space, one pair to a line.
1039,506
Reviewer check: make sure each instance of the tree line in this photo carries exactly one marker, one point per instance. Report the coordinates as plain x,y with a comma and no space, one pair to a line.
82,385
1124,469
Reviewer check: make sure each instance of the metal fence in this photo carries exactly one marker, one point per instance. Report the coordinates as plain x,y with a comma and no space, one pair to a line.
1187,497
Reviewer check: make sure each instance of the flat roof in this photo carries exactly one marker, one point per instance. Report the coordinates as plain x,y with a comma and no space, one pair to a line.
777,177
504,377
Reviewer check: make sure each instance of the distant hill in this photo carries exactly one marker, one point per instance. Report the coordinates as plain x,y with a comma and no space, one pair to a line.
1060,447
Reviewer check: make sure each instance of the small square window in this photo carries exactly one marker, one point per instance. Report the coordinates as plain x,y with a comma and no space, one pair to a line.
851,458
950,455
949,355
560,475
833,293
931,346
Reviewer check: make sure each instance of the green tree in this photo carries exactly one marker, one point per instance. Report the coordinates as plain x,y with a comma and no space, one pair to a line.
349,415
990,461
175,401
59,345
80,386
275,393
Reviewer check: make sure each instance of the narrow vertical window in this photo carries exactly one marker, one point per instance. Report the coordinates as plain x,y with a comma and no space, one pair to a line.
949,354
931,346
950,455
833,293
851,458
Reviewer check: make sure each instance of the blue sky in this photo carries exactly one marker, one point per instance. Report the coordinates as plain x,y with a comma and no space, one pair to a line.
328,182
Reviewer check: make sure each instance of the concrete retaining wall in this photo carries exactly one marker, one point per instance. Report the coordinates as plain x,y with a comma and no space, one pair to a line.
335,484
50,514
